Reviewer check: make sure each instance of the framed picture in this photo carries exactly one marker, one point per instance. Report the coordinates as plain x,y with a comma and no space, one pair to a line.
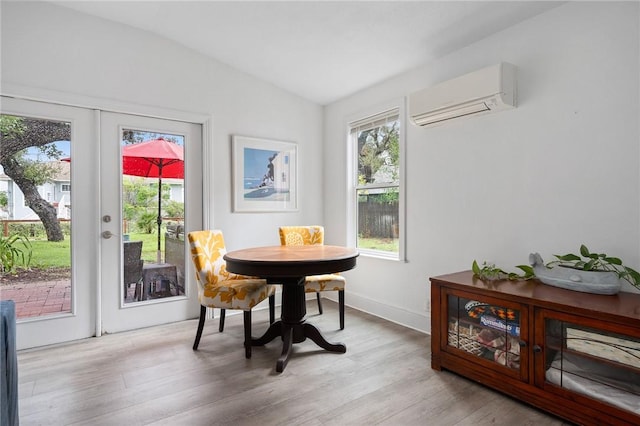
264,175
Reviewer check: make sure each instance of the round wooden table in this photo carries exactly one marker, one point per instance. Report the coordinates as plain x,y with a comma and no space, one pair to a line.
288,266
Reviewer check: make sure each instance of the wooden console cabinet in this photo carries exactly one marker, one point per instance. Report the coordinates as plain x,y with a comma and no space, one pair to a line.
573,354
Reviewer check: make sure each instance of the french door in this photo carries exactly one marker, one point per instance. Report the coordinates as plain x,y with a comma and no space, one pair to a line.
144,215
103,208
53,311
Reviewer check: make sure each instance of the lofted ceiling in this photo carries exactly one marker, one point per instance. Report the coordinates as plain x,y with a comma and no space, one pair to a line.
319,50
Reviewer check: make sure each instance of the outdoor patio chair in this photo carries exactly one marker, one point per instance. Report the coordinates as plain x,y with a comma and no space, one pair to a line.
314,235
133,265
218,288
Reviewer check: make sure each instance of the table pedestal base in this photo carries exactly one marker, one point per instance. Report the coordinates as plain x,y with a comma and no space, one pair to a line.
291,326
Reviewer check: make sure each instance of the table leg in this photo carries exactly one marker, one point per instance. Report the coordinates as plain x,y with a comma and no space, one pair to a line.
314,334
272,332
287,343
291,326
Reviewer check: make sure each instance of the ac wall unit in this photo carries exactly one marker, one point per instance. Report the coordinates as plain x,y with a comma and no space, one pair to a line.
489,89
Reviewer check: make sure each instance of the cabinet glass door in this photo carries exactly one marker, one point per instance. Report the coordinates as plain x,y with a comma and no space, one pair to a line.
599,364
486,329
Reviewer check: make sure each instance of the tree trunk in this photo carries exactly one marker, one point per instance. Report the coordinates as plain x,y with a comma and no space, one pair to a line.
37,133
45,211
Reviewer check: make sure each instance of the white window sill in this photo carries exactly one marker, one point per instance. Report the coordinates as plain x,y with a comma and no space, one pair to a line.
380,255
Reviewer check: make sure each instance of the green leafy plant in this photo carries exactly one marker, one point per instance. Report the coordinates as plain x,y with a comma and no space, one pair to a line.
588,261
147,222
14,250
489,271
4,200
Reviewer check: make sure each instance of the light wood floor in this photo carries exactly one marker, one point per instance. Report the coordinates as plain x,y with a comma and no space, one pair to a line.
152,376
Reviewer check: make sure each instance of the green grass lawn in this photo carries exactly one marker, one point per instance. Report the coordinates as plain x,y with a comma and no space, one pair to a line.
149,245
49,254
382,244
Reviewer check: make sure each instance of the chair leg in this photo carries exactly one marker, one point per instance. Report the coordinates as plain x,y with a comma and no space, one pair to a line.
272,309
319,303
203,314
137,294
221,326
341,308
247,334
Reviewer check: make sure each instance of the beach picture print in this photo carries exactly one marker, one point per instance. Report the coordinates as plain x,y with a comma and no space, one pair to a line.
264,175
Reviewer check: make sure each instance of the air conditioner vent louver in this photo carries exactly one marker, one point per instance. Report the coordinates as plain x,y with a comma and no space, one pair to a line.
482,91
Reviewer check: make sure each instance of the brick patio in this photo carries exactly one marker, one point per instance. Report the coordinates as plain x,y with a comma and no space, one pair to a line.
40,298
43,298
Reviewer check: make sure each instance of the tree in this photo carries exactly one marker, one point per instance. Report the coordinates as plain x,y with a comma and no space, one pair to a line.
174,209
378,151
379,159
130,137
137,196
18,134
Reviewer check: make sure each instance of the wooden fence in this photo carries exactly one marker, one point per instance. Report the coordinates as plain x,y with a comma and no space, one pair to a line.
125,224
378,220
6,223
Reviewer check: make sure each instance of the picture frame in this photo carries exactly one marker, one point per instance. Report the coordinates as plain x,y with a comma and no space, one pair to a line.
265,175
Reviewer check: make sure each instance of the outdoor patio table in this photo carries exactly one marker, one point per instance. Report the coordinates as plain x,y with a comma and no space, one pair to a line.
158,278
288,266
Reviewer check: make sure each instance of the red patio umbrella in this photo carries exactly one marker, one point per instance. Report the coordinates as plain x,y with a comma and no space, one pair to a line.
156,158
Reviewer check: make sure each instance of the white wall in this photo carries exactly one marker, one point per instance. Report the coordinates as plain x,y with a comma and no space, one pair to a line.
558,171
62,51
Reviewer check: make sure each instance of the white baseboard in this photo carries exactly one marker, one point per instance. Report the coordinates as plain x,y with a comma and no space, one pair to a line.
419,321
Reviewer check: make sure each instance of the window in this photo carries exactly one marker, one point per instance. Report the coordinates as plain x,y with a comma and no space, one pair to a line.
376,142
66,187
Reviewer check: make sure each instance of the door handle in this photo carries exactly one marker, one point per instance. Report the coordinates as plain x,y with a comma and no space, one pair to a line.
107,234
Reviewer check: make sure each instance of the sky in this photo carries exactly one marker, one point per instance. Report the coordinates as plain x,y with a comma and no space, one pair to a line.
35,154
65,146
256,162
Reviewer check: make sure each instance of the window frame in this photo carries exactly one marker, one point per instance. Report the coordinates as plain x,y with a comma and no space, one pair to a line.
398,105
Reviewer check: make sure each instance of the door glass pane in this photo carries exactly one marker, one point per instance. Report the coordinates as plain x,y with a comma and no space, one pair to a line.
153,215
595,363
378,219
35,213
488,331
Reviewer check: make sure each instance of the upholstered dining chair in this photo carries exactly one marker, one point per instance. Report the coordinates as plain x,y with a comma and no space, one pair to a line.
314,235
218,288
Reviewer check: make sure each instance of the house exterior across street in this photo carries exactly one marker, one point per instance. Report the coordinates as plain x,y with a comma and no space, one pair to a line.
57,192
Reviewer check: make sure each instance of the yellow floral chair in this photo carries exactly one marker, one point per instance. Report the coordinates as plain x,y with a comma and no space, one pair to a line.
314,235
218,288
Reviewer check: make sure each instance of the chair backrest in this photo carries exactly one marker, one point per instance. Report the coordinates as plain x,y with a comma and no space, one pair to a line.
132,251
207,252
301,235
132,261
